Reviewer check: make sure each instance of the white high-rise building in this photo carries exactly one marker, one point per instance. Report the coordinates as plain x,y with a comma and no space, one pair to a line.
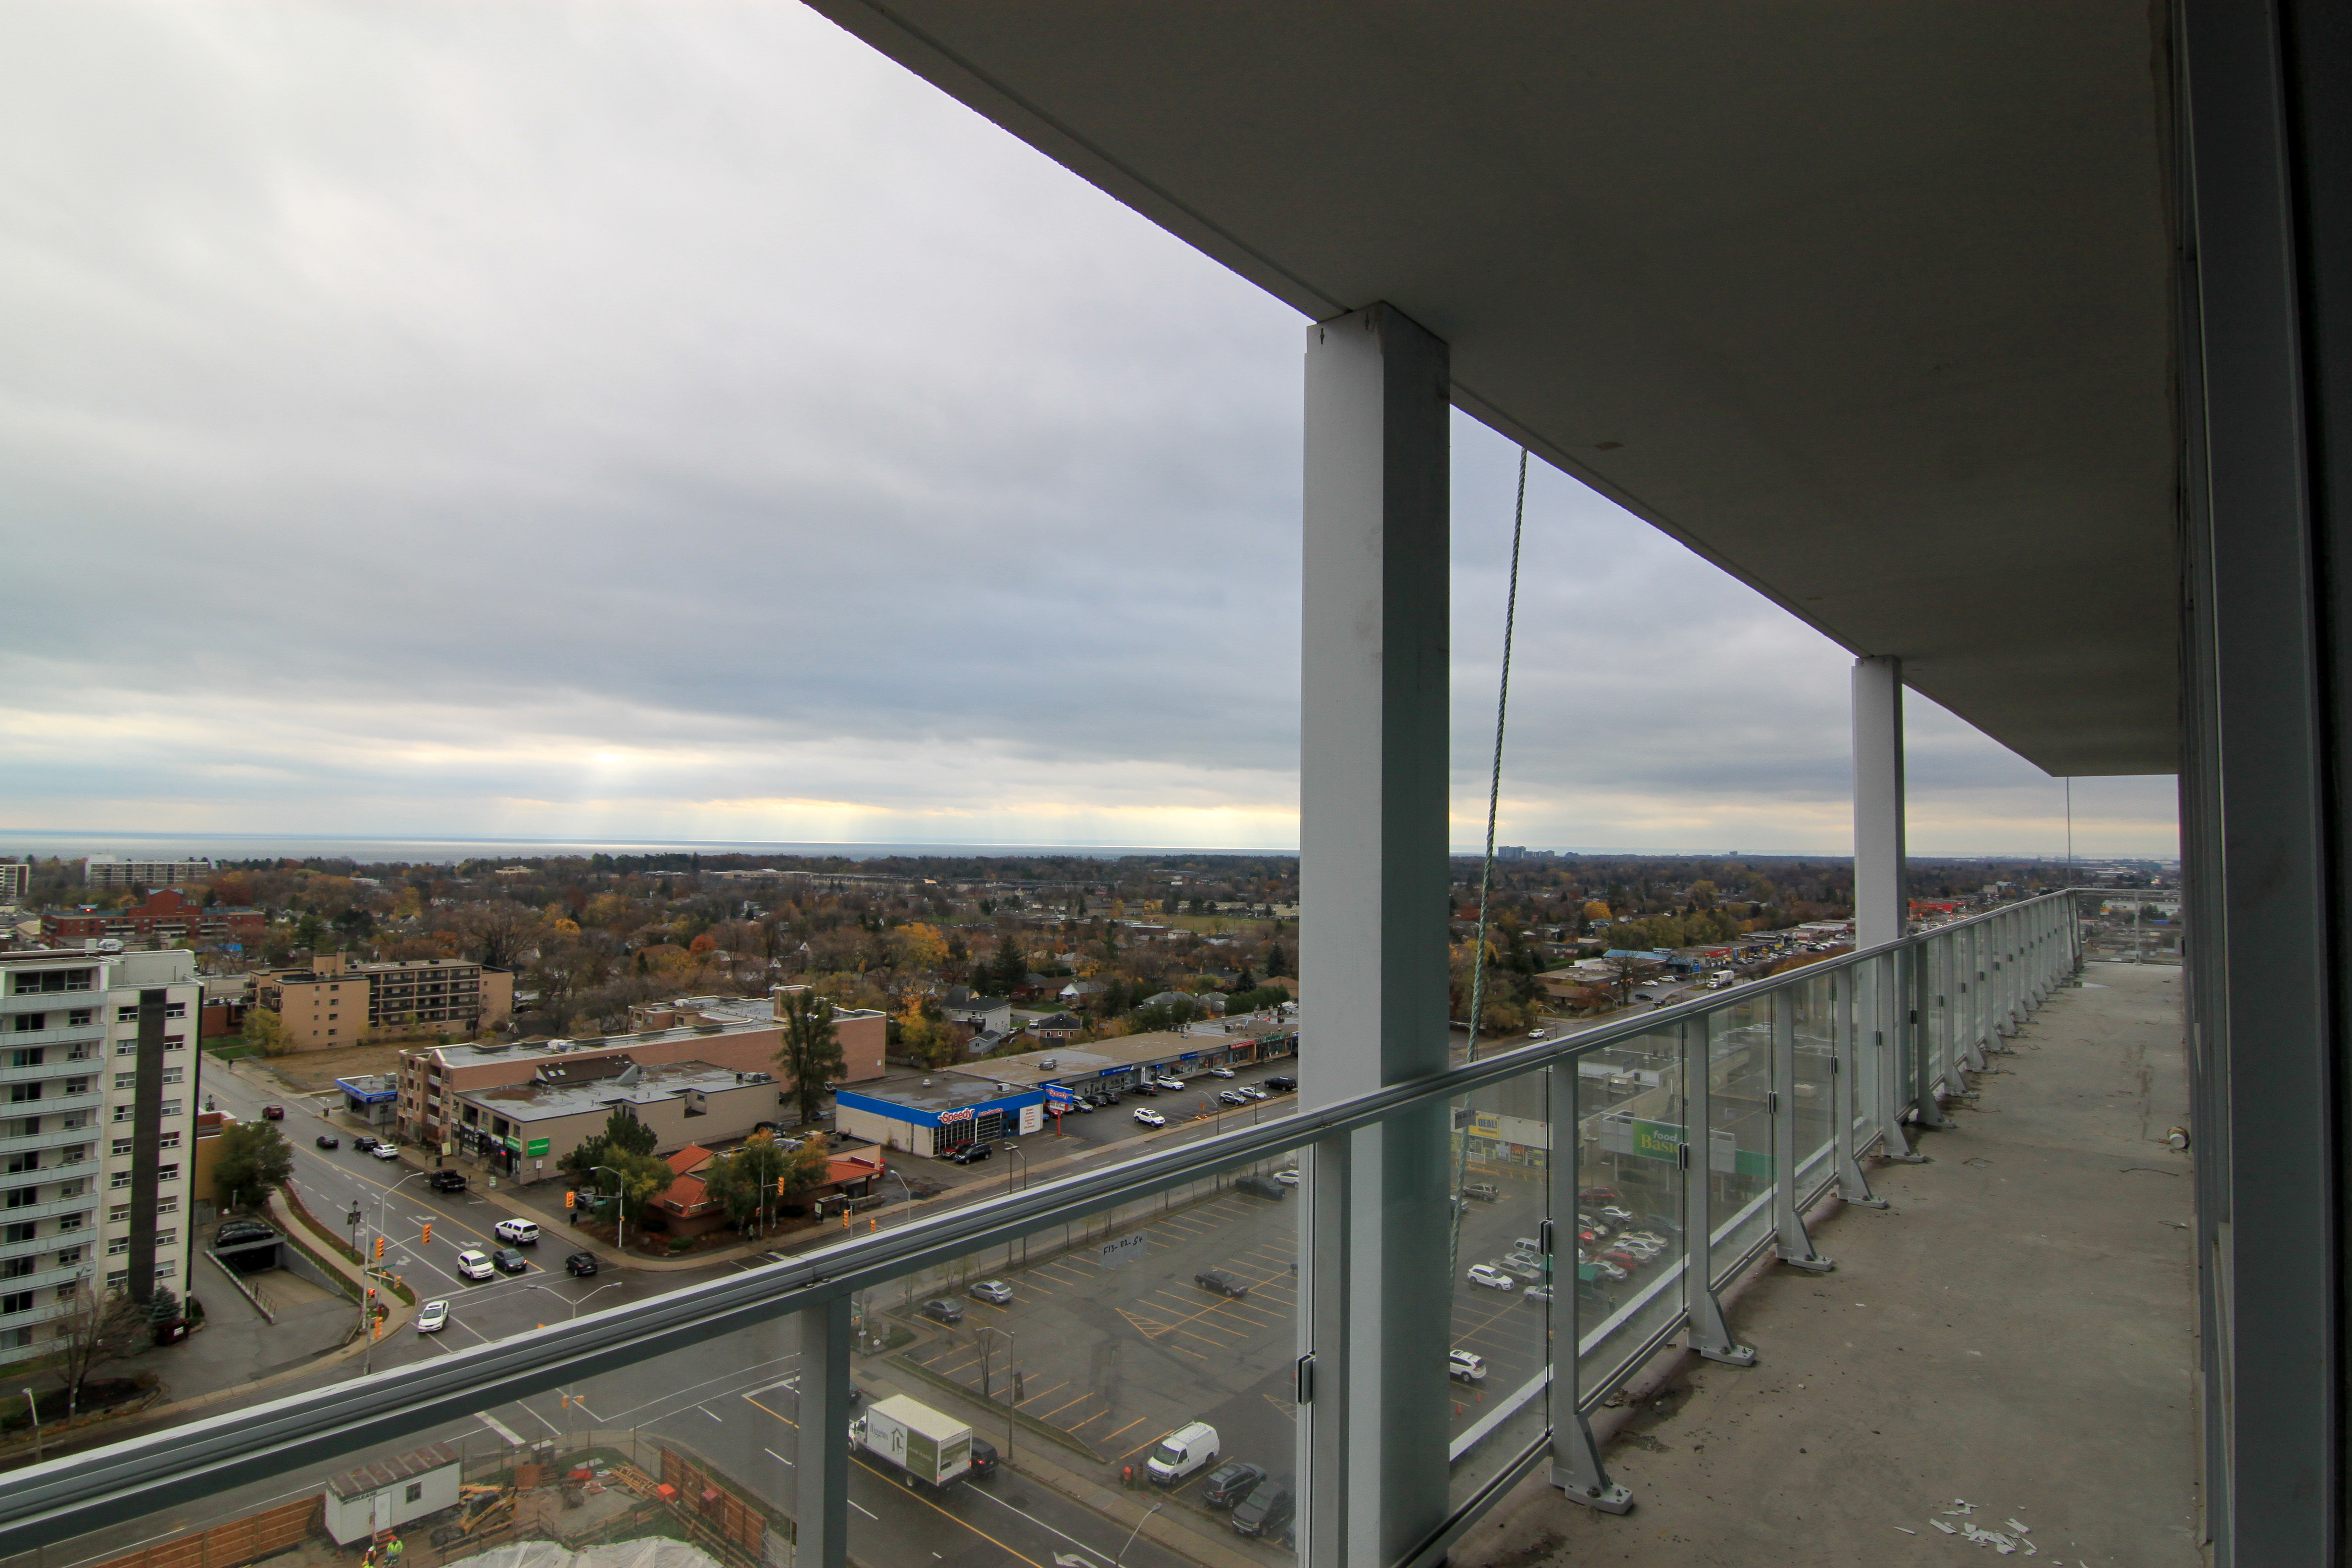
97,1064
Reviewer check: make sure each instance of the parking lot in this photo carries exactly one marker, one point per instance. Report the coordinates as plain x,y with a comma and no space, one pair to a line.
1116,1355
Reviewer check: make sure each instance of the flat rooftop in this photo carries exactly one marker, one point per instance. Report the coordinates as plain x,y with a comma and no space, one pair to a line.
541,1102
1071,1064
938,1091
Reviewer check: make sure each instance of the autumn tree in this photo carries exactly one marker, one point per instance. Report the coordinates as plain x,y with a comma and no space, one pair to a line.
499,931
921,947
811,1056
266,1032
251,1160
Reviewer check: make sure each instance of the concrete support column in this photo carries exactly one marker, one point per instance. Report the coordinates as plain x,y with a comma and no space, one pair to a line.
821,1457
1374,888
1881,892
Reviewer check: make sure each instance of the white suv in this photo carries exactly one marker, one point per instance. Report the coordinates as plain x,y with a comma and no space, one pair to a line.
1492,1277
517,1232
1465,1366
475,1265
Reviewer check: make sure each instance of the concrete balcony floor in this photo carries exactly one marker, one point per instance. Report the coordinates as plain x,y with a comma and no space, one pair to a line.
2018,1330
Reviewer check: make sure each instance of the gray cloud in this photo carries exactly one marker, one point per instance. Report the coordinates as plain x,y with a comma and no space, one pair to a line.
677,420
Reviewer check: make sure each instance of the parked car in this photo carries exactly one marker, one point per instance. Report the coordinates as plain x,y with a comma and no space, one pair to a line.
1485,1191
1260,1187
385,1151
1281,1085
1267,1510
1188,1449
1222,1282
1149,1118
329,1141
517,1232
432,1317
1082,1104
1233,1096
1288,1178
447,1181
939,1310
1616,1215
363,1142
1527,1244
581,1265
1465,1366
1597,1195
273,1113
1492,1277
1146,1090
969,1153
1536,1293
983,1459
1253,1090
1229,1482
996,1292
1175,1085
1221,1072
236,1232
475,1264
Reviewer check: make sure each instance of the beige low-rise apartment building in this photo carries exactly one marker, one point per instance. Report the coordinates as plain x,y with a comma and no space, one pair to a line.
440,1085
331,1002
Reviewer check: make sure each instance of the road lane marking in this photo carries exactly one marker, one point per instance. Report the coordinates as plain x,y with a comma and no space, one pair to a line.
778,1457
512,1436
1040,1523
777,1414
705,1410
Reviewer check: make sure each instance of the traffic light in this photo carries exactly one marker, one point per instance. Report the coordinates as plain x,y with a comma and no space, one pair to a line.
428,1233
779,1186
572,1200
379,1249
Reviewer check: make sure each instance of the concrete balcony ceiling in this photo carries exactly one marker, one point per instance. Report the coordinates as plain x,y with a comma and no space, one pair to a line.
1869,306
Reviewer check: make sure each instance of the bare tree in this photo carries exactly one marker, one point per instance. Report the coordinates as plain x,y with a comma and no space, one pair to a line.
101,1326
501,931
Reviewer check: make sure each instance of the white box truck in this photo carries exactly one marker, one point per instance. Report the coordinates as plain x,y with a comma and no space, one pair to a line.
935,1449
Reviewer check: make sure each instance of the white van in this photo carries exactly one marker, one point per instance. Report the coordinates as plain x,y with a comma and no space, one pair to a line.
1181,1452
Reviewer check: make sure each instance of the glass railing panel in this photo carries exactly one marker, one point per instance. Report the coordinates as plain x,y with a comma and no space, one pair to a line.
1740,1134
1811,1099
1498,1352
575,1471
1125,1383
1628,1185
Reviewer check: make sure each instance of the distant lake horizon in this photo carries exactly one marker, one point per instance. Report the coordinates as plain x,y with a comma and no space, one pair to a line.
448,849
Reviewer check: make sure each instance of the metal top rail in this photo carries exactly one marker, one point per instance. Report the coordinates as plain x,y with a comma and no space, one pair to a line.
50,1502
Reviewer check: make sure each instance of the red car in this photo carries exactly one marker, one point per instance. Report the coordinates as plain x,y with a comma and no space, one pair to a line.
1597,1195
1621,1259
273,1113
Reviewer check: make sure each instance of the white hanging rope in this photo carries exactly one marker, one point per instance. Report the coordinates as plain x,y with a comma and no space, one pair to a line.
1487,870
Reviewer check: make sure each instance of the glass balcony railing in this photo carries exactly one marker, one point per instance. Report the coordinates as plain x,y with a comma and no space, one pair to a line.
1135,1364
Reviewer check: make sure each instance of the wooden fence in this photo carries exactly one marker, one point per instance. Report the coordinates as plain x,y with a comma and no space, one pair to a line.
230,1545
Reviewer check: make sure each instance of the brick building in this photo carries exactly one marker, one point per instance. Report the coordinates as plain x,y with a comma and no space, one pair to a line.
333,1002
168,918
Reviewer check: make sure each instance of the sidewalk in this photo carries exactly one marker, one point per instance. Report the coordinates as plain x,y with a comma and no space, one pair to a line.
2018,1330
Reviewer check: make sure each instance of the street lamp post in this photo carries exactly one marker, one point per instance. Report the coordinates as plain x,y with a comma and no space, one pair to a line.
565,1394
369,1269
620,1211
1139,1523
1014,1151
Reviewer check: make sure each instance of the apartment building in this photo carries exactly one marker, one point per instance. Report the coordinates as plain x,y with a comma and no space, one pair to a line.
734,1035
98,1062
331,1001
15,881
168,916
107,871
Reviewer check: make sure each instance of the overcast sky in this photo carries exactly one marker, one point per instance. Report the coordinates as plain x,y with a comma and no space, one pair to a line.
675,420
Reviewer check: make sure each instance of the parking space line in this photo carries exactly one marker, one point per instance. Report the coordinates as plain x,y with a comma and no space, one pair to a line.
1129,1427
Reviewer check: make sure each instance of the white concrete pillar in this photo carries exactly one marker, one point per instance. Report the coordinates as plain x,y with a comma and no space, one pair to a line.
1881,893
1374,884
